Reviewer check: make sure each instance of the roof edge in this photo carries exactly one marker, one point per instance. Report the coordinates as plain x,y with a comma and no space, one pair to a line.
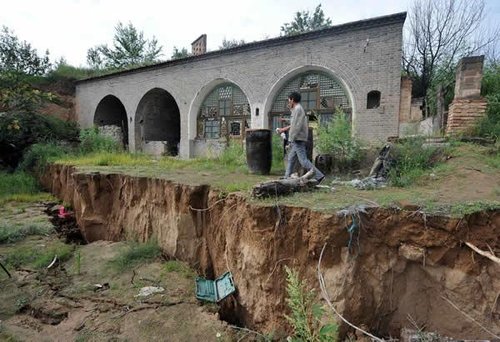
365,23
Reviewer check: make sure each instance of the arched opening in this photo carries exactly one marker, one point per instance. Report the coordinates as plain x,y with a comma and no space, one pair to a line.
224,113
322,97
111,119
373,99
158,124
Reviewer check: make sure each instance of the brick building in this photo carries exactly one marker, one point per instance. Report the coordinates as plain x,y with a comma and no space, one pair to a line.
193,105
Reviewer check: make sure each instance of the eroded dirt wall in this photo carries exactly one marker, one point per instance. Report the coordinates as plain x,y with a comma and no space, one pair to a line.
400,266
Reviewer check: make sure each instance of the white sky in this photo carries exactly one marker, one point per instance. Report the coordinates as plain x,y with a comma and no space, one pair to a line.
70,27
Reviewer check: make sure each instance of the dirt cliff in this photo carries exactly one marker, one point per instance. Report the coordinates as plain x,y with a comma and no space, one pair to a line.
395,267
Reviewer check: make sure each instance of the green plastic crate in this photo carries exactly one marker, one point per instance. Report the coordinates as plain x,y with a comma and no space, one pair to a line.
215,290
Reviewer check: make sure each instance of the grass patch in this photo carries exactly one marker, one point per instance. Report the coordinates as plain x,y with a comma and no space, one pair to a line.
17,183
412,162
14,232
135,254
27,198
180,268
21,187
38,256
468,208
6,336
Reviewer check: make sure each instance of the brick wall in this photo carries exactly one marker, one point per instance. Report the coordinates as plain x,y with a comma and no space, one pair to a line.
363,56
468,106
463,114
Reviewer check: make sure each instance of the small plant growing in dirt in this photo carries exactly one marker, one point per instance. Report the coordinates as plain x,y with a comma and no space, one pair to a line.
180,268
306,315
78,261
135,254
412,159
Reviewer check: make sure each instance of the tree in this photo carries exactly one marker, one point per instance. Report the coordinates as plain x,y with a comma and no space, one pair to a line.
130,48
182,53
18,56
230,43
305,22
439,33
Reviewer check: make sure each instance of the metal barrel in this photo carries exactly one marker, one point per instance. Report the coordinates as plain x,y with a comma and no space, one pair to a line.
259,150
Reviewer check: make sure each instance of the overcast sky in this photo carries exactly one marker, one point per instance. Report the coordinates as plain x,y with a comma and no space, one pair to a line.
68,28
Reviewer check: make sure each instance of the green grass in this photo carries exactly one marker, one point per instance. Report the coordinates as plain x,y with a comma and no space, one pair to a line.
17,183
180,268
6,336
468,208
14,232
20,187
135,254
39,256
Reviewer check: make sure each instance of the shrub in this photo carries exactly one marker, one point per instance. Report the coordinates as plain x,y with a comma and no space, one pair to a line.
306,315
39,155
489,126
19,130
233,156
412,159
92,141
335,138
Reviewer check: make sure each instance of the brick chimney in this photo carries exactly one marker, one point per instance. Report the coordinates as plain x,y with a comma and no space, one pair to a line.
199,46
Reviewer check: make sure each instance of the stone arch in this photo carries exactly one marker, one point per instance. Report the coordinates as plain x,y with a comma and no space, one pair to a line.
111,112
201,95
157,123
293,74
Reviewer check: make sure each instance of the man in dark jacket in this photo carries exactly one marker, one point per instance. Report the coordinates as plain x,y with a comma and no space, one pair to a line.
297,135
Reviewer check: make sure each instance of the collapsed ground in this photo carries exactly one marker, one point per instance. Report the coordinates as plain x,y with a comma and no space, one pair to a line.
91,293
446,189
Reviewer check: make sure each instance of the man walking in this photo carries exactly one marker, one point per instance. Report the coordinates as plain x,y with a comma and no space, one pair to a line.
297,135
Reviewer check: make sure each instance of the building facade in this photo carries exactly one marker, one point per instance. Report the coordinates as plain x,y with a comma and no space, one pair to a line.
192,106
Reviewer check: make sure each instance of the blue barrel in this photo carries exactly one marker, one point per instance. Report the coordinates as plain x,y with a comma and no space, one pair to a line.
259,150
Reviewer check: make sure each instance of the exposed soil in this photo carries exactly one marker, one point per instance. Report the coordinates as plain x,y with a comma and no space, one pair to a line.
399,268
64,304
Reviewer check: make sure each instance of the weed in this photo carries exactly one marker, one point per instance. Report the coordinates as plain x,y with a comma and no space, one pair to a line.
233,156
468,208
39,155
180,268
278,165
306,315
10,233
92,141
38,257
27,198
6,335
134,254
78,261
412,159
21,303
17,183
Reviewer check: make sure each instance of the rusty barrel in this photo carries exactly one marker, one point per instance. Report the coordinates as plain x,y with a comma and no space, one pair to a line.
259,150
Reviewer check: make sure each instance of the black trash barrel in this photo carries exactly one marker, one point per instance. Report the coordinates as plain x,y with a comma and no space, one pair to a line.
259,150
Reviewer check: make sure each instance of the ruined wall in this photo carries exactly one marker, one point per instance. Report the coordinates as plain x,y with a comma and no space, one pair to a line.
399,264
468,106
364,56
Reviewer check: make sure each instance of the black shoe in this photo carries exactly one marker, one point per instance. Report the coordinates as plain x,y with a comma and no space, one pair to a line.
321,180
